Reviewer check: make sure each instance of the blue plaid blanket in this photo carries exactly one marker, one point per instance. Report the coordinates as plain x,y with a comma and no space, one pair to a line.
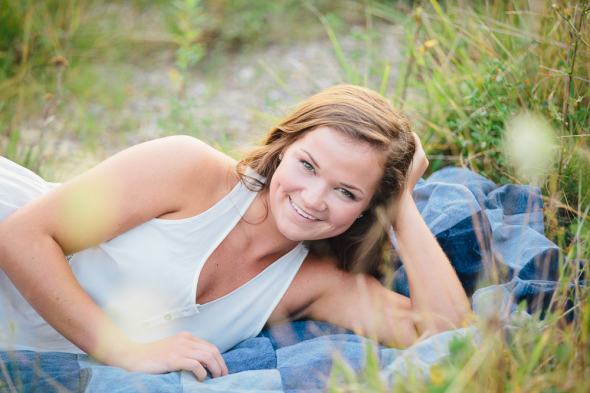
481,228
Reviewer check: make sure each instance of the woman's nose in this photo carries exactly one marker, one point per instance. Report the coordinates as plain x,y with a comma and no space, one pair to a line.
314,198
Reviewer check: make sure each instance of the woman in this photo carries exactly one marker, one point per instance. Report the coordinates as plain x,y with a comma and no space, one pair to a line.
180,252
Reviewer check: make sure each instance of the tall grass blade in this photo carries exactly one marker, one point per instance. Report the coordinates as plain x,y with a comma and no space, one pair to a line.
441,14
352,76
279,80
383,89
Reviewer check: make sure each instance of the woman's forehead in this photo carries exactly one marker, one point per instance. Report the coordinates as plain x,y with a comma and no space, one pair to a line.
330,139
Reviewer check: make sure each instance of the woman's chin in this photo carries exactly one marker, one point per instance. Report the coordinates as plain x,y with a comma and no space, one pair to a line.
298,234
298,228
294,234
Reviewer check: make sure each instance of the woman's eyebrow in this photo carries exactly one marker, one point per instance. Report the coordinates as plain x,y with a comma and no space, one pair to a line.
342,184
311,157
352,187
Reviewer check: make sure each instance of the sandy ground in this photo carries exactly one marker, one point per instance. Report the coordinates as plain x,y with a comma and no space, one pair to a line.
228,108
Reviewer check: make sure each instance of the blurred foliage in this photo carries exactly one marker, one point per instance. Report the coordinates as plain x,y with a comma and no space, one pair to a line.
99,38
248,23
32,32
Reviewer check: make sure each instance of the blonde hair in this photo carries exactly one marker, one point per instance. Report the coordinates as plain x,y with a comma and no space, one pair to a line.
361,114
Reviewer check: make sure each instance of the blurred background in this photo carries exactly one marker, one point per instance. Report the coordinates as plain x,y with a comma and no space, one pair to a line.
499,87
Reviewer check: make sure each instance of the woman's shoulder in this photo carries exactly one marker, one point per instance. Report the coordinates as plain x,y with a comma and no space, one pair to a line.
321,271
316,276
206,174
189,148
196,157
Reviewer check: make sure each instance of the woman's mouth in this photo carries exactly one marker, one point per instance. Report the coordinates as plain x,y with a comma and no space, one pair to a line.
301,212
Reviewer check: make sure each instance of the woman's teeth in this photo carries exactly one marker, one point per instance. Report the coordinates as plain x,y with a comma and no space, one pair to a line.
301,212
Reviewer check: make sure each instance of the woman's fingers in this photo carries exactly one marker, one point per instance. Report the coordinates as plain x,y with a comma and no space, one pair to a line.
208,359
419,155
194,366
183,351
220,360
208,354
419,163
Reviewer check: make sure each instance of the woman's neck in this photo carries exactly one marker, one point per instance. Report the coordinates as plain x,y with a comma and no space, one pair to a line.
258,234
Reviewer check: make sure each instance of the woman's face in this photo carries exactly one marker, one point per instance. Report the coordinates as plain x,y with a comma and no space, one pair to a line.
324,181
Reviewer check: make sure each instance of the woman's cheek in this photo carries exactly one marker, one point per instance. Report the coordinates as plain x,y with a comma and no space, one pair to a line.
341,214
294,181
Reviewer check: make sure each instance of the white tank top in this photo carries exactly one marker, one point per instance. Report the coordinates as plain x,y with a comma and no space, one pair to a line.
146,279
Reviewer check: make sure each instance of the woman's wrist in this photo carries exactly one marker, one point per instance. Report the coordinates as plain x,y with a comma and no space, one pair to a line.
404,203
116,351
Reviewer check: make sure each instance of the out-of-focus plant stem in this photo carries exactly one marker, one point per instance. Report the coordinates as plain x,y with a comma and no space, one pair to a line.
418,17
575,33
23,64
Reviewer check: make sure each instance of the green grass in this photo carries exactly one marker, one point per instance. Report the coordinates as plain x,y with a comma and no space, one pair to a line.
470,71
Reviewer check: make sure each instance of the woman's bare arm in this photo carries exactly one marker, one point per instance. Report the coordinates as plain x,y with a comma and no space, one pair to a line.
132,187
438,301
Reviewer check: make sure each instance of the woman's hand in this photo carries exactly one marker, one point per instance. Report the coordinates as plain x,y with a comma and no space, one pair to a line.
183,351
418,166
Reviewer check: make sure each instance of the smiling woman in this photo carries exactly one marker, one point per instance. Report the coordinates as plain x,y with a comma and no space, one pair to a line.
179,252
369,143
318,192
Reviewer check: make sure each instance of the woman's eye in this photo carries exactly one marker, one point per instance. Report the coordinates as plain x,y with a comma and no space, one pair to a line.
307,165
347,193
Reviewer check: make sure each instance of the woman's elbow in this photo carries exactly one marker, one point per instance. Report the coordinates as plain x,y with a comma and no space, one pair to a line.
430,325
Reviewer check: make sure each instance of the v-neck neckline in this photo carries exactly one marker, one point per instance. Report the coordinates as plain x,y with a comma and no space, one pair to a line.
292,251
239,212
